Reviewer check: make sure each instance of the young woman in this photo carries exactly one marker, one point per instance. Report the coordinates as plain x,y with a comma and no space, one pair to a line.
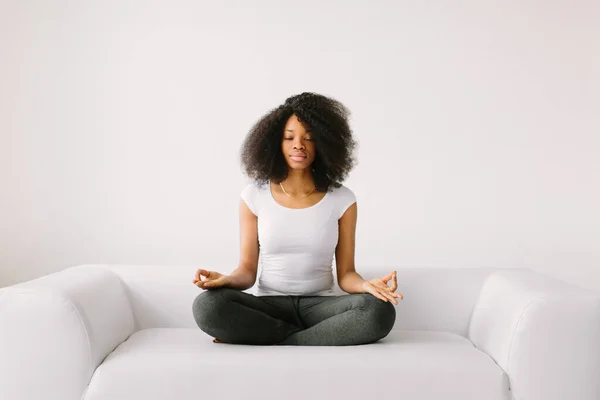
297,214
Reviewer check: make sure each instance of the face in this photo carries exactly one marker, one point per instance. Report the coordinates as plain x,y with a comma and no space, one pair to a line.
297,145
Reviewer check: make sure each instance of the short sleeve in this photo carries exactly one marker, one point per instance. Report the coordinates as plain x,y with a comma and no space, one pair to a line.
346,199
249,196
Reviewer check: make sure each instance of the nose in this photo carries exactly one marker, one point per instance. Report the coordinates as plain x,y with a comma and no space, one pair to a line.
298,145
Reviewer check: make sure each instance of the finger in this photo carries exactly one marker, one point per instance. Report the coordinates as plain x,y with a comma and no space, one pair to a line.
395,282
204,272
388,277
390,297
376,293
399,296
200,284
197,276
386,290
382,286
214,283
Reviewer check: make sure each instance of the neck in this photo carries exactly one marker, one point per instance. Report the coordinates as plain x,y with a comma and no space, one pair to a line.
299,181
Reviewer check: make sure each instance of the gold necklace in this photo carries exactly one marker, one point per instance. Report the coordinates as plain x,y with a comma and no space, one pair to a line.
294,197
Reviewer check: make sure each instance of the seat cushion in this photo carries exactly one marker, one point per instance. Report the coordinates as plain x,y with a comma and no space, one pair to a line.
184,363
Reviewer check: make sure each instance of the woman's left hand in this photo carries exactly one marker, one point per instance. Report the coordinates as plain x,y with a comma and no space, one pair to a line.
378,287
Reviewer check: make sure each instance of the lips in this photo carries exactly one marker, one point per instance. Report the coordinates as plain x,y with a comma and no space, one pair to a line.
298,157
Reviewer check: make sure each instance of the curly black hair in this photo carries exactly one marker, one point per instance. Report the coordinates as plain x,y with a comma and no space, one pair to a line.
326,118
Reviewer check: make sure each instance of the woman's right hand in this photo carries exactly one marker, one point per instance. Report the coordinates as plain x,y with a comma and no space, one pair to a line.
212,279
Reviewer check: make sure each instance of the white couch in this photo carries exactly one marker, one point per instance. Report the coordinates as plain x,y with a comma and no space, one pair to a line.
124,332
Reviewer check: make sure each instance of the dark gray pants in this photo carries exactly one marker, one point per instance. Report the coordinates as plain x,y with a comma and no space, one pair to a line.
234,316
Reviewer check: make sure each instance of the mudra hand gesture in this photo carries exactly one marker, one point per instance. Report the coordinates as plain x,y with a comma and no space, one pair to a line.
378,287
212,279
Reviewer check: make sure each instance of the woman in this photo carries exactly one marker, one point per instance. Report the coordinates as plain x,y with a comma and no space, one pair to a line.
297,214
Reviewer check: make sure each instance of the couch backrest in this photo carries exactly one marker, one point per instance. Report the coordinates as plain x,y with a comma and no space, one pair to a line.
439,299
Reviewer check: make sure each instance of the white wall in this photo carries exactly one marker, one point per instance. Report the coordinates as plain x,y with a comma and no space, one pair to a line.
478,124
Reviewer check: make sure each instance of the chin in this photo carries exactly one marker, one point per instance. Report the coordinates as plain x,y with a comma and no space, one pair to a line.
299,165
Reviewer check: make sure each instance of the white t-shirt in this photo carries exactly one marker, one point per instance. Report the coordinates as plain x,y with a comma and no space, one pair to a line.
297,245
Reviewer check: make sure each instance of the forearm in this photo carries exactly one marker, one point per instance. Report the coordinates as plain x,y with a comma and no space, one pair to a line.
351,283
242,278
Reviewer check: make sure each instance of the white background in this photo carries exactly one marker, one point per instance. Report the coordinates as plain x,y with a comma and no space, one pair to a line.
478,124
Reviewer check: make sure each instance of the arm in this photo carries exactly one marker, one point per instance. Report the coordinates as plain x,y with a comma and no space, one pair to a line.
348,279
55,331
544,333
245,275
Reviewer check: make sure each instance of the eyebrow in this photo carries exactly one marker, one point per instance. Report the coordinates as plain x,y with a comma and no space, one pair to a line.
291,130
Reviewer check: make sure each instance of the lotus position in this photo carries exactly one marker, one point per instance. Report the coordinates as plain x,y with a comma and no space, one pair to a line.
297,215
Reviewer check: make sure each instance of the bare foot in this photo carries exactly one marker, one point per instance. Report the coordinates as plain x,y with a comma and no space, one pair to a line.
215,340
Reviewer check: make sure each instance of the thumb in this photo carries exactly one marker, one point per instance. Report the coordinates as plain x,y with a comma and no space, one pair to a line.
215,282
388,276
204,272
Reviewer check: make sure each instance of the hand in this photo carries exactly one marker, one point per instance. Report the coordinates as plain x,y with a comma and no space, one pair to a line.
213,279
378,287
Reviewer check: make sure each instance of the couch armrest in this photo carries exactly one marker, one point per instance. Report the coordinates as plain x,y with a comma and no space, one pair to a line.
55,331
544,333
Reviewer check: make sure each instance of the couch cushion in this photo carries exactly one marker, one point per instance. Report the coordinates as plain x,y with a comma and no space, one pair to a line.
182,364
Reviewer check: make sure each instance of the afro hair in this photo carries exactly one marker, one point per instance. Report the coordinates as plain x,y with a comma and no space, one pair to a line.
326,118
